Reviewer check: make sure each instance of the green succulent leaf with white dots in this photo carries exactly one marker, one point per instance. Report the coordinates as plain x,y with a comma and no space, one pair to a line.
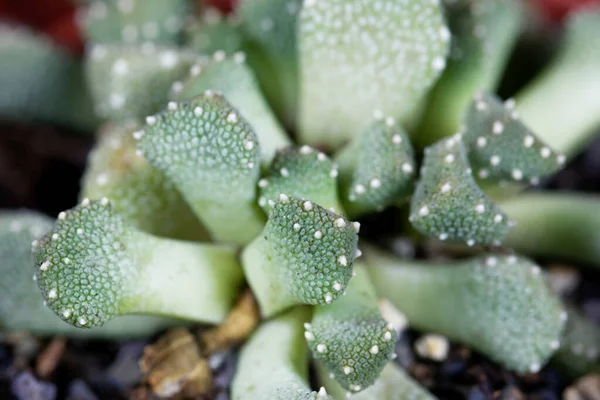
131,82
359,56
273,363
138,191
300,172
212,32
270,27
484,33
304,255
498,305
41,82
134,21
555,225
501,147
448,204
377,168
561,103
350,337
231,77
212,156
93,267
21,305
393,384
579,352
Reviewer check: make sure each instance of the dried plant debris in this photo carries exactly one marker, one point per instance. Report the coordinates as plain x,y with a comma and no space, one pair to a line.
173,364
240,323
586,388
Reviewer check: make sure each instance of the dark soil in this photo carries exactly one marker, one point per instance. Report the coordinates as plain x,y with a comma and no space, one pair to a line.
40,168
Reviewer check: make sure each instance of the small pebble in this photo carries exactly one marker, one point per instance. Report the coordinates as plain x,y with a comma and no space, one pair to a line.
25,386
79,390
433,347
563,280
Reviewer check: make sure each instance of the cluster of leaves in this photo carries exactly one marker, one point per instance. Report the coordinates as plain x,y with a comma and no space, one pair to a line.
195,187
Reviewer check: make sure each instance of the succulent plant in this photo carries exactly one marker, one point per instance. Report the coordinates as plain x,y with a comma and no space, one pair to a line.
393,384
250,148
93,266
41,82
23,309
130,21
273,364
350,337
579,353
499,305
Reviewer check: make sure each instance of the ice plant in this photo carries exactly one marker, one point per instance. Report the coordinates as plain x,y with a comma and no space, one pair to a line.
342,51
230,76
579,352
41,82
93,267
212,155
273,364
140,193
484,33
350,337
130,21
252,147
304,255
22,308
393,384
499,305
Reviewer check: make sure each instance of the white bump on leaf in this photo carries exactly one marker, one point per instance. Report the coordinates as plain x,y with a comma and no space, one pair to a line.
375,183
498,128
545,152
517,174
